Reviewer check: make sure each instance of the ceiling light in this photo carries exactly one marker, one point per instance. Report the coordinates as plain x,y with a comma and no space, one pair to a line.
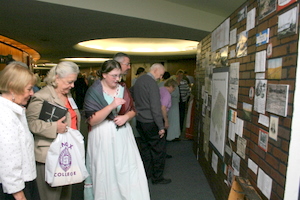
140,46
46,65
85,60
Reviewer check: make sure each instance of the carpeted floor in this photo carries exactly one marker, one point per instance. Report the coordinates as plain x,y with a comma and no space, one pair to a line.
188,180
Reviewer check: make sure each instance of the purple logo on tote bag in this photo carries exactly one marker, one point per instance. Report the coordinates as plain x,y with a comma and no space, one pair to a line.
65,158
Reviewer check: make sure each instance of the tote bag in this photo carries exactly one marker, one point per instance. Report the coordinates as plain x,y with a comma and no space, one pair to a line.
65,161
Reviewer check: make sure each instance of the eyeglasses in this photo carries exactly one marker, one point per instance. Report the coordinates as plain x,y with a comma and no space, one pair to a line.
127,64
115,75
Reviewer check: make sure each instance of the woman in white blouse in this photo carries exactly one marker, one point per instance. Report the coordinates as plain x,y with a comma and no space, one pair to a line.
17,162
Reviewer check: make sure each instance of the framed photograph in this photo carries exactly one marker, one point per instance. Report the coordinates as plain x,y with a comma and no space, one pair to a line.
263,139
288,23
266,7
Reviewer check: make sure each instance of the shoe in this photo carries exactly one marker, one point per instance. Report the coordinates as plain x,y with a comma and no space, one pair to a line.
162,181
169,156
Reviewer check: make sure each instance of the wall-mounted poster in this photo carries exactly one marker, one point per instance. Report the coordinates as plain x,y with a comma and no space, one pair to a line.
250,19
262,37
260,96
241,47
266,7
288,23
232,36
277,99
260,61
220,36
219,108
284,3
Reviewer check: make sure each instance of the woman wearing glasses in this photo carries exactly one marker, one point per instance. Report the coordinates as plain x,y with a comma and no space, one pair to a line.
113,160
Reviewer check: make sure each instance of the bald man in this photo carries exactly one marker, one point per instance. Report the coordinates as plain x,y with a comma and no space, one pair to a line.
150,124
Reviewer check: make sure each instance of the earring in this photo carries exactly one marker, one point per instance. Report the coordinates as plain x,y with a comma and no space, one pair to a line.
13,97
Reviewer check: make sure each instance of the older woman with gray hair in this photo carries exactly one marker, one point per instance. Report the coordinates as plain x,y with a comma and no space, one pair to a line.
60,80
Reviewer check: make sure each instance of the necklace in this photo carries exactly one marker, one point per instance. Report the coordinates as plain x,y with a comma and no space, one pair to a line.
112,95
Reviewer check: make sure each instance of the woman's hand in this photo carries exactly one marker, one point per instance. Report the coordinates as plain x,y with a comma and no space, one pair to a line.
120,120
61,125
117,101
19,195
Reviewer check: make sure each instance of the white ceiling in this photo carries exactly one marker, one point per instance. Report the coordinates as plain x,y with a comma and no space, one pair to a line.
219,7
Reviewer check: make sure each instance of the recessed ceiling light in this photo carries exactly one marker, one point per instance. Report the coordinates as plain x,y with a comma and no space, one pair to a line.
46,65
85,60
140,46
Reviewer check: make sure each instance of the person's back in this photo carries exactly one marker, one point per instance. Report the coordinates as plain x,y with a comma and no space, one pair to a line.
144,88
150,125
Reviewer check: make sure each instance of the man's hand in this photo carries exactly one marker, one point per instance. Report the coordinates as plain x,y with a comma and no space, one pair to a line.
161,133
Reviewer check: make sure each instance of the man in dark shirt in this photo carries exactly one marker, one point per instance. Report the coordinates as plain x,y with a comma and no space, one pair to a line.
150,123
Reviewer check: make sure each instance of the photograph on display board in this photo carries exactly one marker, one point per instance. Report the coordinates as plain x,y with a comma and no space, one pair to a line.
247,111
274,68
263,139
273,129
224,56
266,7
288,23
242,14
277,99
241,47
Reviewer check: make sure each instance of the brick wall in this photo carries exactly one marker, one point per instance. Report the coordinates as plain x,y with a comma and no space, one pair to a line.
274,161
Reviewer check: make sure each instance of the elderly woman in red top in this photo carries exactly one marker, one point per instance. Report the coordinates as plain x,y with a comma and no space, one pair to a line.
60,79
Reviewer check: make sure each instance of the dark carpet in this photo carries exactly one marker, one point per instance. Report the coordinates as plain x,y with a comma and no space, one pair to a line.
188,180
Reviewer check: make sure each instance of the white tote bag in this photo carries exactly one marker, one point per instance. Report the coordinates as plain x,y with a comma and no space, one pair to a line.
65,161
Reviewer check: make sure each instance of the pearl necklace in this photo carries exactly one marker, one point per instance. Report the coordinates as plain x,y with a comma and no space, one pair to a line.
116,94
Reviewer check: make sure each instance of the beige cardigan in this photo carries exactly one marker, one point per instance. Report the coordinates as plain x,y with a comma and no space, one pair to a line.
44,132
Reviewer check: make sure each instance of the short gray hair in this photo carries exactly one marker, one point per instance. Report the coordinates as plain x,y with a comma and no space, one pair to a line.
120,57
62,69
157,66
